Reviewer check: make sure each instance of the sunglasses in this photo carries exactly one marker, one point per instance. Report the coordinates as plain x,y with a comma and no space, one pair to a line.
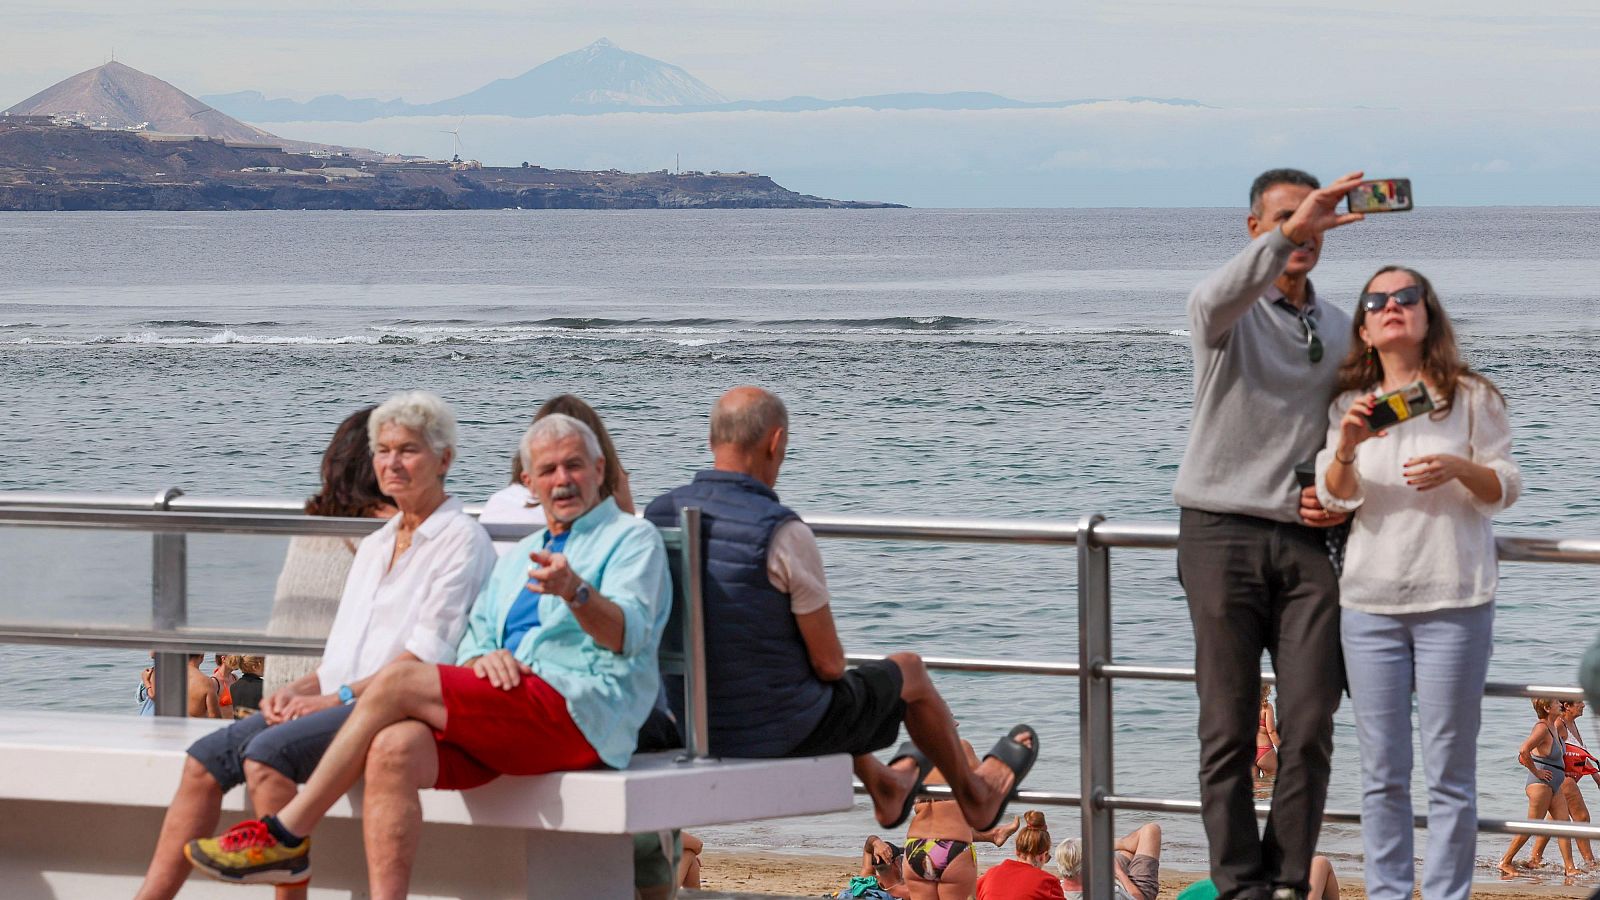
1372,301
1313,343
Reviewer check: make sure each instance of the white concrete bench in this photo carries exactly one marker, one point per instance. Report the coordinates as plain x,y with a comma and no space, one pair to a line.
82,797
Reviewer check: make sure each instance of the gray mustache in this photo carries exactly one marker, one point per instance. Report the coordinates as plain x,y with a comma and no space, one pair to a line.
563,492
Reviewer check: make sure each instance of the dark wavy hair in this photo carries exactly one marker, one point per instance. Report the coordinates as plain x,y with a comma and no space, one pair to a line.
349,483
1441,357
572,405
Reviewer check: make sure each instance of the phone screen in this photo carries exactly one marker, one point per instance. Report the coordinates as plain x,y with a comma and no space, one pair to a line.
1383,195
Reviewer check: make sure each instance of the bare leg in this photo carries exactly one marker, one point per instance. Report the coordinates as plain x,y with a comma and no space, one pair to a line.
403,760
689,864
402,690
1324,884
1539,797
1579,810
1536,855
193,814
689,871
979,792
1558,810
1142,841
270,790
1000,834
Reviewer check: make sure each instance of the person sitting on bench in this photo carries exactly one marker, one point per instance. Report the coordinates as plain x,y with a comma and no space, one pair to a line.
776,680
557,671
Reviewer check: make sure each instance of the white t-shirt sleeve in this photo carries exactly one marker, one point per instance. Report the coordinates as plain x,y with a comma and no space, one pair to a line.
794,566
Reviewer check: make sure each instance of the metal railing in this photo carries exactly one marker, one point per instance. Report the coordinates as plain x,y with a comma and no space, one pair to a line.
172,516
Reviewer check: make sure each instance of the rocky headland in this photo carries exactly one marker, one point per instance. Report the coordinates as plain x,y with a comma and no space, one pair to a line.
70,167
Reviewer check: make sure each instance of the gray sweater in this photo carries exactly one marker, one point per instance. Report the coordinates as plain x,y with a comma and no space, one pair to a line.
1260,405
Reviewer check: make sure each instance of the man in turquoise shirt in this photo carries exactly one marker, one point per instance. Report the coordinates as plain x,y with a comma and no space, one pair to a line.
557,671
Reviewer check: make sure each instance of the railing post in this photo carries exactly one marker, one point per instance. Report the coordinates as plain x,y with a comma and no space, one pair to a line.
1094,708
696,725
169,610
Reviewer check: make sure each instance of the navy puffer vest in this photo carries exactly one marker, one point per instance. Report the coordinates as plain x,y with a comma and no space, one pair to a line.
764,698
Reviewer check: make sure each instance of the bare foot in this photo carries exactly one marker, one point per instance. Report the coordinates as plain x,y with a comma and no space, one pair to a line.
1507,870
994,780
1534,862
1004,832
1573,872
889,789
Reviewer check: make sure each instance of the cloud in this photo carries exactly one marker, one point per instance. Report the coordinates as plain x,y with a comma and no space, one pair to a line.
1135,154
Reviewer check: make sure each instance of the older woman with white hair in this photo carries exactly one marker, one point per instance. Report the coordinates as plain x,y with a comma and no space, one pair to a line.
407,596
557,670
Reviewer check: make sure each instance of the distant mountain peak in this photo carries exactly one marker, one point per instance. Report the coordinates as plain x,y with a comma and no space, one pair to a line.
594,78
116,95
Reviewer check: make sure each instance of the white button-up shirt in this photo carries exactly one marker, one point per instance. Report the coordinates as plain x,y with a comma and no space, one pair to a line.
419,605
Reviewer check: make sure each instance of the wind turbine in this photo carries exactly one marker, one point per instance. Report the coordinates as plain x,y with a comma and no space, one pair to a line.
456,133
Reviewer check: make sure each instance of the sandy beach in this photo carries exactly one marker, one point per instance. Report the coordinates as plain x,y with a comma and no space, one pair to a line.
797,875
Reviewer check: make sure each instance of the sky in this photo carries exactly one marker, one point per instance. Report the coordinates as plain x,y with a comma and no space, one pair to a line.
1486,101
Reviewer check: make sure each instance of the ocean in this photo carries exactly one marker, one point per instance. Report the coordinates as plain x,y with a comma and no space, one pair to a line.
1017,364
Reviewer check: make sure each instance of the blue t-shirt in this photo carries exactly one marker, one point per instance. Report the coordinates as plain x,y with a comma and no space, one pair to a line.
524,615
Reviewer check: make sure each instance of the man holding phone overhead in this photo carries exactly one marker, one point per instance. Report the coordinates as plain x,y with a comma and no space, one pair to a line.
1250,556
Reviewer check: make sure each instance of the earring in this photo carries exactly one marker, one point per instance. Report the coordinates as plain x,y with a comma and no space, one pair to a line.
1371,353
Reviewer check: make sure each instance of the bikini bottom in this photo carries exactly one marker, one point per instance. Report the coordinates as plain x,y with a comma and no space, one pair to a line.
929,857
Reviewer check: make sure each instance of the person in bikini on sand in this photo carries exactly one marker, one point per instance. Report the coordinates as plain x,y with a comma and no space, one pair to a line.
941,856
777,681
1267,739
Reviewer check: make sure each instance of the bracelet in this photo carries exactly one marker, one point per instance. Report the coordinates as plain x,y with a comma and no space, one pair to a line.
1339,459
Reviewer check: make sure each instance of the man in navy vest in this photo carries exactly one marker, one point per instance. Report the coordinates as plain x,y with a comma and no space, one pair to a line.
777,685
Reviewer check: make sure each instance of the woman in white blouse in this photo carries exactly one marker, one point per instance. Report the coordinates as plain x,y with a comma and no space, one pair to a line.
1417,592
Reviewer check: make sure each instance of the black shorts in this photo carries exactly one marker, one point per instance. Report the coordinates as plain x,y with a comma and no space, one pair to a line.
864,714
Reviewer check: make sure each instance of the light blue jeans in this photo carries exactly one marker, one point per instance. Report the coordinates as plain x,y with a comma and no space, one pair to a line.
1444,657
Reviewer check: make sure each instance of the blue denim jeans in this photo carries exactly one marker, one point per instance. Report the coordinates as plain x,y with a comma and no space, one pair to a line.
1443,657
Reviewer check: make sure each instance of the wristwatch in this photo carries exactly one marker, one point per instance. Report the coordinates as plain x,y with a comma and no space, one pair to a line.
346,695
580,596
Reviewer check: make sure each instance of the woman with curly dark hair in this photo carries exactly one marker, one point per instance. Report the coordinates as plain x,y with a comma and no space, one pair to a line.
315,567
1420,571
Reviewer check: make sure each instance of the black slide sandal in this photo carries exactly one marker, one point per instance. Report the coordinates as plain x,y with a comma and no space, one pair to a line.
909,750
1019,759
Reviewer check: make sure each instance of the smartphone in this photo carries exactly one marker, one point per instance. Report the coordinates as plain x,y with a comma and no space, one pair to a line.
1400,406
1305,474
1383,195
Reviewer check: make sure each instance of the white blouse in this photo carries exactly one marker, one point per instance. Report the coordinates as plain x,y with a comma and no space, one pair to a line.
420,605
1414,551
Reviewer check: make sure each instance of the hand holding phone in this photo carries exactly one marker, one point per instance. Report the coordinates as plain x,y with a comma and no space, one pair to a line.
1382,195
1400,406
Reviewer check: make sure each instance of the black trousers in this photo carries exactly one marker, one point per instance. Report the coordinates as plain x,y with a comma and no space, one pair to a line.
1256,584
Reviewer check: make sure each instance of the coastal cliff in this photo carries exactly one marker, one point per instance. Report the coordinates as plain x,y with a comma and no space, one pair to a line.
57,167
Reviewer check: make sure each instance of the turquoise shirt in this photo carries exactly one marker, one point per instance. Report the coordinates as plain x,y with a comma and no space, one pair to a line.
608,694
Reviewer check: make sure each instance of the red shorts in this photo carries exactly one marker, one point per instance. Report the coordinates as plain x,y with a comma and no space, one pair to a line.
489,732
